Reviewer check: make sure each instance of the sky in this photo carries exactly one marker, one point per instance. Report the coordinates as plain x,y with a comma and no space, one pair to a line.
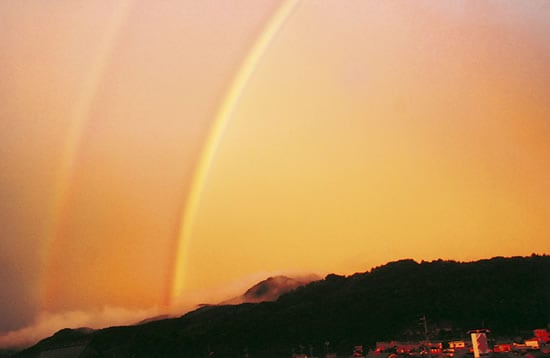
155,156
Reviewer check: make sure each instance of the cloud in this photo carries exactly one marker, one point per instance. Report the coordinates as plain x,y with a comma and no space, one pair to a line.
47,324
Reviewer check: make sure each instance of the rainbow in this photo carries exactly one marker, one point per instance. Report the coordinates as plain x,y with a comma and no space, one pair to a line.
219,125
80,117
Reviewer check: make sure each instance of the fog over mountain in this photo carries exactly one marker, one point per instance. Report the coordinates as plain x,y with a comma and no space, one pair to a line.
271,289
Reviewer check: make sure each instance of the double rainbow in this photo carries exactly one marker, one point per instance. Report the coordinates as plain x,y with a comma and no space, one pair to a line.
175,288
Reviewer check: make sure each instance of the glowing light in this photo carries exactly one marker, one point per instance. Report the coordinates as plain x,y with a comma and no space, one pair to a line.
219,125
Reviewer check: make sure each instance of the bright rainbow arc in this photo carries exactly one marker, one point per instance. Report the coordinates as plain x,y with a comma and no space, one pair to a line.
215,134
80,118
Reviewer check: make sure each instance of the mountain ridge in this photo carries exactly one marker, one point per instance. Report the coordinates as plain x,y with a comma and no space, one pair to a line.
508,295
271,289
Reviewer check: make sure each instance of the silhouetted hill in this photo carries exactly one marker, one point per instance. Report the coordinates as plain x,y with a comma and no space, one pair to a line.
510,296
271,289
155,318
6,352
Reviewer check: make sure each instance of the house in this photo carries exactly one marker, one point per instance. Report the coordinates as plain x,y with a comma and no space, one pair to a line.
457,345
502,347
532,343
542,335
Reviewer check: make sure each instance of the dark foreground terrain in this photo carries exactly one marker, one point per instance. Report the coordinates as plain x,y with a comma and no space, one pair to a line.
509,296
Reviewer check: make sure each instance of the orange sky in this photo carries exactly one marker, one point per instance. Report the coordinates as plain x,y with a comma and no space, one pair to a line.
367,132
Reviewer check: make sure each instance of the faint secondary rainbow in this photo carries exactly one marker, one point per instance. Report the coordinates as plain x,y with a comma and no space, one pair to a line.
80,117
215,134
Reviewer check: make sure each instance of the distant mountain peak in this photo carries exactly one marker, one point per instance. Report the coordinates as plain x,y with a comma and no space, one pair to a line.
272,288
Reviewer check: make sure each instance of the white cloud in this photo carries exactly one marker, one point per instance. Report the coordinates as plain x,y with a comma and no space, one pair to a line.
47,324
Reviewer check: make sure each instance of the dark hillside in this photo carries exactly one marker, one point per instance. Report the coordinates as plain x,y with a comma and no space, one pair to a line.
510,296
